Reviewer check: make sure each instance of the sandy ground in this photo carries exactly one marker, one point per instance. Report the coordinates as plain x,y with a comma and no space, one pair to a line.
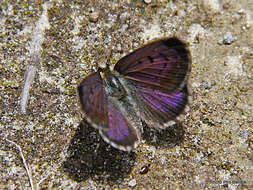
48,47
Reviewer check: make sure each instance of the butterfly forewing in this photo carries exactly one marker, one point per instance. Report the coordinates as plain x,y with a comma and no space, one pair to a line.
163,65
94,100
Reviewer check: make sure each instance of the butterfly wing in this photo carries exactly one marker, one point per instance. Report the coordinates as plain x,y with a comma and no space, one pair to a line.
120,134
93,100
158,73
102,114
163,65
159,109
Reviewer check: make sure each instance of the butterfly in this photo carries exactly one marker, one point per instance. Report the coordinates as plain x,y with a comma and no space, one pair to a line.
149,84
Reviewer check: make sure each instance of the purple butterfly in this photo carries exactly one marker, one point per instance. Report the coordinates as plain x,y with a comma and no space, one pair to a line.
149,84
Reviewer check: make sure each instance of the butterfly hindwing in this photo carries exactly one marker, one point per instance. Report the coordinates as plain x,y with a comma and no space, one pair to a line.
157,108
120,133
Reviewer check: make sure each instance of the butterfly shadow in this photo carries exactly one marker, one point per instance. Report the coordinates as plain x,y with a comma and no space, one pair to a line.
164,138
91,157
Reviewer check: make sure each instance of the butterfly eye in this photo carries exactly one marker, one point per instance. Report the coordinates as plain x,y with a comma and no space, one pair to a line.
115,83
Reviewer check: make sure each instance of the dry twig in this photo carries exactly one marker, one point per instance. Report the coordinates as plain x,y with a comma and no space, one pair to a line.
27,167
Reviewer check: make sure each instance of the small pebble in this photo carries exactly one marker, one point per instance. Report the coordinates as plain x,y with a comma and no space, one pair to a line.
144,169
227,40
207,85
147,1
132,183
93,17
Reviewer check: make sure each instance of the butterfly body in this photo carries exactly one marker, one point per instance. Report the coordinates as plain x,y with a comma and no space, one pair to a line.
149,84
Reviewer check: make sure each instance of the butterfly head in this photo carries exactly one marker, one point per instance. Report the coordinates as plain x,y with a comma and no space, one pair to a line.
113,85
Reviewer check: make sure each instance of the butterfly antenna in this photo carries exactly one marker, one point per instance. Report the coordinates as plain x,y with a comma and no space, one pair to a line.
109,56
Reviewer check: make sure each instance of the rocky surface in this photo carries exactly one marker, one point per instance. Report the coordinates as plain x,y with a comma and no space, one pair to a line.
48,47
